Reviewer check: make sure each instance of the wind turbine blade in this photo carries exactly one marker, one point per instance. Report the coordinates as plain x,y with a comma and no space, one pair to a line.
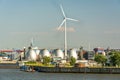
62,10
61,24
71,19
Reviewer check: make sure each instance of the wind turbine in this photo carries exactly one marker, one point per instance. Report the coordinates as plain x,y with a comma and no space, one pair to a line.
64,22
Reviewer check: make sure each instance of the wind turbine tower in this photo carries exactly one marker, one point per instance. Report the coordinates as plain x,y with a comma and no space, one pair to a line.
65,34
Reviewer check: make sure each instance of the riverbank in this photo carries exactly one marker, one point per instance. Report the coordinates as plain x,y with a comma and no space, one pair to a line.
8,65
77,70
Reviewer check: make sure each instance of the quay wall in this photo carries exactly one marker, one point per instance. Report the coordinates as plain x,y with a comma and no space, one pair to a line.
78,70
8,66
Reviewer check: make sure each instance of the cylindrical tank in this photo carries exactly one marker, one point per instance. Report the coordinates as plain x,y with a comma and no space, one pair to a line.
32,55
45,52
103,53
37,51
59,53
73,53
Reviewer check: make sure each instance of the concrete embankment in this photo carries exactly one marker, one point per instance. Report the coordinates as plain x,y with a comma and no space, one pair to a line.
8,65
78,70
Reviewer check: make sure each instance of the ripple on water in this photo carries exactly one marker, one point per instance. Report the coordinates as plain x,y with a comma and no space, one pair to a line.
16,74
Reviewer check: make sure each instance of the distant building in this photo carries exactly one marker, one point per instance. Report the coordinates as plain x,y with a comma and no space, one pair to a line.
99,50
56,59
89,55
114,49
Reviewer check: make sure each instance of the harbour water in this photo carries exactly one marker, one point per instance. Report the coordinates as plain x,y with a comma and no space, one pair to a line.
16,74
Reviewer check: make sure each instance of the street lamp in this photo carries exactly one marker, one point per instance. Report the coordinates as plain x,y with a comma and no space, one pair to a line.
24,50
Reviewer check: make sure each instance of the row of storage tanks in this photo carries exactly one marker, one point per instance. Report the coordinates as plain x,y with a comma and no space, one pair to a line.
32,54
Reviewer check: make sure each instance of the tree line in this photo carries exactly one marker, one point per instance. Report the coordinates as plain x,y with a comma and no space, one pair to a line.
111,59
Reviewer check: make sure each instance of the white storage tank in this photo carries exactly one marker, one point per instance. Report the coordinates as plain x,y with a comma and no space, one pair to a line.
73,53
37,51
45,52
31,55
59,53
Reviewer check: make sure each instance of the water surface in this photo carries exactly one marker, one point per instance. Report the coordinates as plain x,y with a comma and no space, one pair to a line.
16,74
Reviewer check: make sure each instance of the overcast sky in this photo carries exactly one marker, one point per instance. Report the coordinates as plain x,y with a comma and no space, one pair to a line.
22,20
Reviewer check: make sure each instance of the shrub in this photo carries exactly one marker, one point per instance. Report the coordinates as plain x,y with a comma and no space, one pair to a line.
72,61
46,60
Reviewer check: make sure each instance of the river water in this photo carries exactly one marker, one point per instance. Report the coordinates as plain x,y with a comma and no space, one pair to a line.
16,74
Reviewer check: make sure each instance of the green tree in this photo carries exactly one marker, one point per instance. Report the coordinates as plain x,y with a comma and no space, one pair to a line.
46,60
100,59
115,58
72,61
3,54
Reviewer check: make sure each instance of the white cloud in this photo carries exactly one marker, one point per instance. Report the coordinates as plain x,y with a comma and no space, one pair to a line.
29,33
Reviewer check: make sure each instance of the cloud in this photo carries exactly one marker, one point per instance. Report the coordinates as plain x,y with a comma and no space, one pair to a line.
29,33
69,29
